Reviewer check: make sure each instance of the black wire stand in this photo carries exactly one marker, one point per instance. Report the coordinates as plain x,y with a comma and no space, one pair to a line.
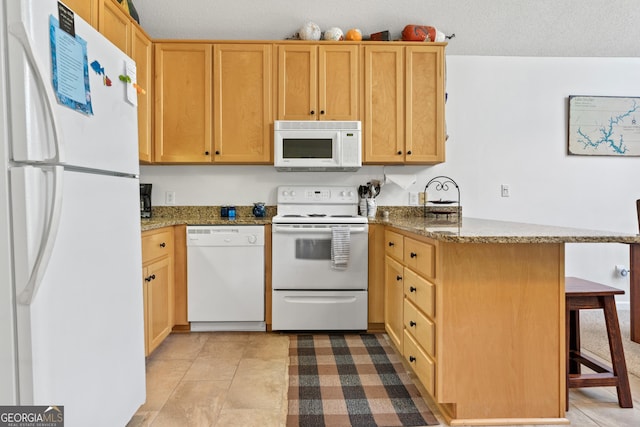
442,183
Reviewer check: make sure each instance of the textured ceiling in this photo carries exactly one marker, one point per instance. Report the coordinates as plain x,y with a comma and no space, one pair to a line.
482,27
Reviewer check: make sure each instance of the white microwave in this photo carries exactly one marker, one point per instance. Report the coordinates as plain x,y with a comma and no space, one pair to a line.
305,145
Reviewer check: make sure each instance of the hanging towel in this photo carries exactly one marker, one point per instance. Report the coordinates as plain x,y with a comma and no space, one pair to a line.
340,245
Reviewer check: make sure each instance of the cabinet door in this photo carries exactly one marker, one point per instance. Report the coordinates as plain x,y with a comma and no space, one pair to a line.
424,104
86,9
393,301
383,107
141,52
159,301
115,25
297,82
337,83
242,103
183,103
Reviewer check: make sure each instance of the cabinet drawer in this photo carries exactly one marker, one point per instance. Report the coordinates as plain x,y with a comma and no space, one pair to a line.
394,244
420,327
421,292
157,243
421,364
420,256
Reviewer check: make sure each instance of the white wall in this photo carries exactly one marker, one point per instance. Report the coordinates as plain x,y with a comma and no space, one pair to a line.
506,115
482,27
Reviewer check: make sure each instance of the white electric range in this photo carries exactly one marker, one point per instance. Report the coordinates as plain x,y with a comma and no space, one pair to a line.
319,259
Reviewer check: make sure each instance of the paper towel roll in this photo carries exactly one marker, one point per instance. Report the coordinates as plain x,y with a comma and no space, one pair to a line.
402,180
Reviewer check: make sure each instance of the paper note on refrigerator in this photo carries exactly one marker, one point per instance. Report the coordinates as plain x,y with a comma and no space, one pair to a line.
70,69
130,71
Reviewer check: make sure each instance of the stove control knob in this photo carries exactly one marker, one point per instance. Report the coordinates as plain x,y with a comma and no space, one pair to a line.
343,193
350,193
293,194
252,239
285,193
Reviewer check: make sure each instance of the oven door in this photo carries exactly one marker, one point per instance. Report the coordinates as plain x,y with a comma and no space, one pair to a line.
301,258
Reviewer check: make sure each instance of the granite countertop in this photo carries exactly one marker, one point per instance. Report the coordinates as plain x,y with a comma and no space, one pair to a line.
474,230
441,225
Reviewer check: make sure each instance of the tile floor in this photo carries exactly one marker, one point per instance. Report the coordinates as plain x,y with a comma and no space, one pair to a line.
240,379
217,379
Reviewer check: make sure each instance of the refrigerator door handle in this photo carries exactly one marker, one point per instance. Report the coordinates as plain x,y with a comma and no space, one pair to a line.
47,242
19,31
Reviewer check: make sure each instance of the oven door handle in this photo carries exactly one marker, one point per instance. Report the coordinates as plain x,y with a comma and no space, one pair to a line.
315,230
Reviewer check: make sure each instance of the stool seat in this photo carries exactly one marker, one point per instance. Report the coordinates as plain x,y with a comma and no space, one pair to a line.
583,294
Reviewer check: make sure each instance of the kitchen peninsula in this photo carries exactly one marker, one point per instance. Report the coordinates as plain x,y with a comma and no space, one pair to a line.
476,308
479,313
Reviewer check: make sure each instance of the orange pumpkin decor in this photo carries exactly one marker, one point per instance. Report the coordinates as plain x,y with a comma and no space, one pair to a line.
422,33
353,34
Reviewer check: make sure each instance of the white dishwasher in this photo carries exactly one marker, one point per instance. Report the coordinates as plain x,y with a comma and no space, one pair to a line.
225,277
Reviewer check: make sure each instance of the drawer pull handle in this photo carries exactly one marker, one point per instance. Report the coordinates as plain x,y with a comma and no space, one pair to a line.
163,244
413,254
412,323
398,278
150,278
399,152
412,289
412,359
391,244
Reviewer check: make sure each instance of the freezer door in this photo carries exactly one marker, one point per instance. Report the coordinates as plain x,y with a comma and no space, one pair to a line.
81,340
106,139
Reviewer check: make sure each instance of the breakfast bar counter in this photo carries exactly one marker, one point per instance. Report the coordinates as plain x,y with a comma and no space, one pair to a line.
495,352
474,230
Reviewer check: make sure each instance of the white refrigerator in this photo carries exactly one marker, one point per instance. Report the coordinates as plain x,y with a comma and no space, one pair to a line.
71,298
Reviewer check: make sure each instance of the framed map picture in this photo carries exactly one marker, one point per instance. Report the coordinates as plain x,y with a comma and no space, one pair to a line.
604,125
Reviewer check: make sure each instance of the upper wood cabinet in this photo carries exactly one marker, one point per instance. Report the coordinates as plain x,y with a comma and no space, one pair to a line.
383,109
115,24
317,82
183,101
142,54
86,9
242,107
213,103
403,106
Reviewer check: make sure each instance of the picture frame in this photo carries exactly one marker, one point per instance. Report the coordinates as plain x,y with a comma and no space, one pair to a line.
604,125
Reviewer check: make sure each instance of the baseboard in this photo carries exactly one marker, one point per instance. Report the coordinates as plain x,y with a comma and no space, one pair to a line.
623,305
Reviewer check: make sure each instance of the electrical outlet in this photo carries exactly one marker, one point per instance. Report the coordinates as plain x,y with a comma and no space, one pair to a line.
170,197
504,190
413,199
422,197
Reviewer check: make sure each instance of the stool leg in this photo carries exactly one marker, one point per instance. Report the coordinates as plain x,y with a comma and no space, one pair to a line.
617,353
574,340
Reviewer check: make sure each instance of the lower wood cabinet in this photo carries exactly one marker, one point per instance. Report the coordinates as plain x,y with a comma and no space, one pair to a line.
394,294
480,324
157,285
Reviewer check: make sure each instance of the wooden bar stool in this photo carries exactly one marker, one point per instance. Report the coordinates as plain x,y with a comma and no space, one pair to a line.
582,294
